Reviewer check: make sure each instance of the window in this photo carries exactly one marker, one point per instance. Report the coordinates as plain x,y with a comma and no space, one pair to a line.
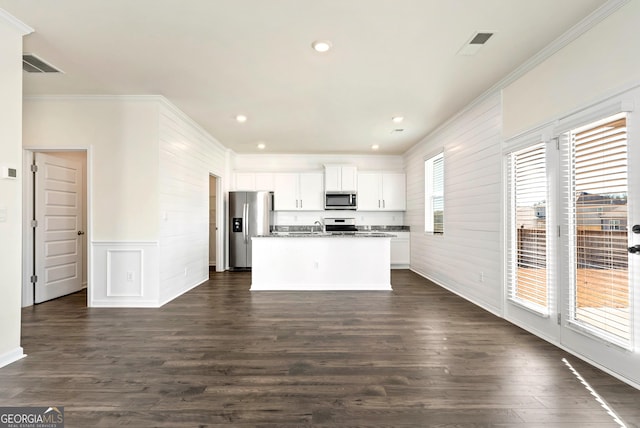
434,194
597,221
527,228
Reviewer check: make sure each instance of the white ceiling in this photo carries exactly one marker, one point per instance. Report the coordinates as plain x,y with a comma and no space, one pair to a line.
215,59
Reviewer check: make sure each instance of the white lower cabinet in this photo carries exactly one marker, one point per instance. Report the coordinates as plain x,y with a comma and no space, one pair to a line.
299,191
400,250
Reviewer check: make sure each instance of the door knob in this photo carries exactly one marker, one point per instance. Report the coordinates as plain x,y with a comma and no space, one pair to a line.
80,232
635,249
636,228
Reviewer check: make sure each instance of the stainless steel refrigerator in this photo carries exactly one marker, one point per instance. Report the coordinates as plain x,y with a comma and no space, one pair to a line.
251,214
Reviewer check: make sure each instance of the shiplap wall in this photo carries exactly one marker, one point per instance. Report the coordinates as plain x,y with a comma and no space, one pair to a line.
467,258
188,155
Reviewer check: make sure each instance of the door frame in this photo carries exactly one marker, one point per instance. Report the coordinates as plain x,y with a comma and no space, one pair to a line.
220,223
221,243
27,210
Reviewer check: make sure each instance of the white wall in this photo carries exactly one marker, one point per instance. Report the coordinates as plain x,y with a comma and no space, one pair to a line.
188,156
603,60
11,33
149,169
122,135
467,257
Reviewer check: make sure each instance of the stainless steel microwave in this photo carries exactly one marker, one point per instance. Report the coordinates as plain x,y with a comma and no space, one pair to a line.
340,201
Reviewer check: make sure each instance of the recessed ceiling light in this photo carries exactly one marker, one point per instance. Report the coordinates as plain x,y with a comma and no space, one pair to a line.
261,146
397,119
375,147
241,118
321,45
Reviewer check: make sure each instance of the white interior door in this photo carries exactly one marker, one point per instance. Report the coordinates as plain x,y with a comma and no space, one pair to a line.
58,212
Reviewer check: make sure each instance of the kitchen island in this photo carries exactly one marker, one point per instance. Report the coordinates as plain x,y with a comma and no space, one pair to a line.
321,261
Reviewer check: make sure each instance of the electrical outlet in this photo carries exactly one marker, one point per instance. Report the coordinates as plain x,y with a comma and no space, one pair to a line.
481,277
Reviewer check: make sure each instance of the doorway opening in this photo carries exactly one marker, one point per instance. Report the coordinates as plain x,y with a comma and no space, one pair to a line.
55,217
216,225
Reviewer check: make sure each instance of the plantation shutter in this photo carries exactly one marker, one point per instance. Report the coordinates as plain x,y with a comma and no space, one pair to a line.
598,221
527,230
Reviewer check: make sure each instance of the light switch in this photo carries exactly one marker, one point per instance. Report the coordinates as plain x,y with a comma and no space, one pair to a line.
3,214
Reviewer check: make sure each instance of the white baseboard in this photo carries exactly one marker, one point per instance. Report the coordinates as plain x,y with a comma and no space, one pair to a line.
12,356
124,304
320,287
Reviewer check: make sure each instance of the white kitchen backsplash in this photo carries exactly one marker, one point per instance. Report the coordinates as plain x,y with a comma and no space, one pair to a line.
363,218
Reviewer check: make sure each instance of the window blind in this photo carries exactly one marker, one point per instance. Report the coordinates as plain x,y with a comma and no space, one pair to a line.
527,250
438,195
600,296
434,194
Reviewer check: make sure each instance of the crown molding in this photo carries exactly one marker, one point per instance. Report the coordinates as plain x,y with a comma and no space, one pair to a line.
95,97
15,22
586,24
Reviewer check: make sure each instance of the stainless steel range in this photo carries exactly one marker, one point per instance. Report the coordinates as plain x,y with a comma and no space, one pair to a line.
337,225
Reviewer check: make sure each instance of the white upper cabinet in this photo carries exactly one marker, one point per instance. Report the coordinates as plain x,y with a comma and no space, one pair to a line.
299,191
250,181
369,191
381,191
340,178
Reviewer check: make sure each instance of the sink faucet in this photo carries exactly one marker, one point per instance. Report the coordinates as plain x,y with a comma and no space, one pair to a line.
319,223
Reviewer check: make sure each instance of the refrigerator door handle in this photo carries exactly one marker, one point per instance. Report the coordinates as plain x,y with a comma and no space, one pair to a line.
245,214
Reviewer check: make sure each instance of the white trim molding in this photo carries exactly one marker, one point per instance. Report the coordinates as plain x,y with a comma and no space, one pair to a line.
12,356
15,22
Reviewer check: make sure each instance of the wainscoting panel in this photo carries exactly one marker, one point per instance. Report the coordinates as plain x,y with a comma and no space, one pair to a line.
125,274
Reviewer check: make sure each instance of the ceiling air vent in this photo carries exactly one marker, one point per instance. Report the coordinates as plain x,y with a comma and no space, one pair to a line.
33,64
474,44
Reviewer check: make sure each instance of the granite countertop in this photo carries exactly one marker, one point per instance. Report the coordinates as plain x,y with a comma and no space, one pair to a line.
327,235
298,231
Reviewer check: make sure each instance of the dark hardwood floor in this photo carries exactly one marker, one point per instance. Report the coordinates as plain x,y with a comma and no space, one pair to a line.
222,356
